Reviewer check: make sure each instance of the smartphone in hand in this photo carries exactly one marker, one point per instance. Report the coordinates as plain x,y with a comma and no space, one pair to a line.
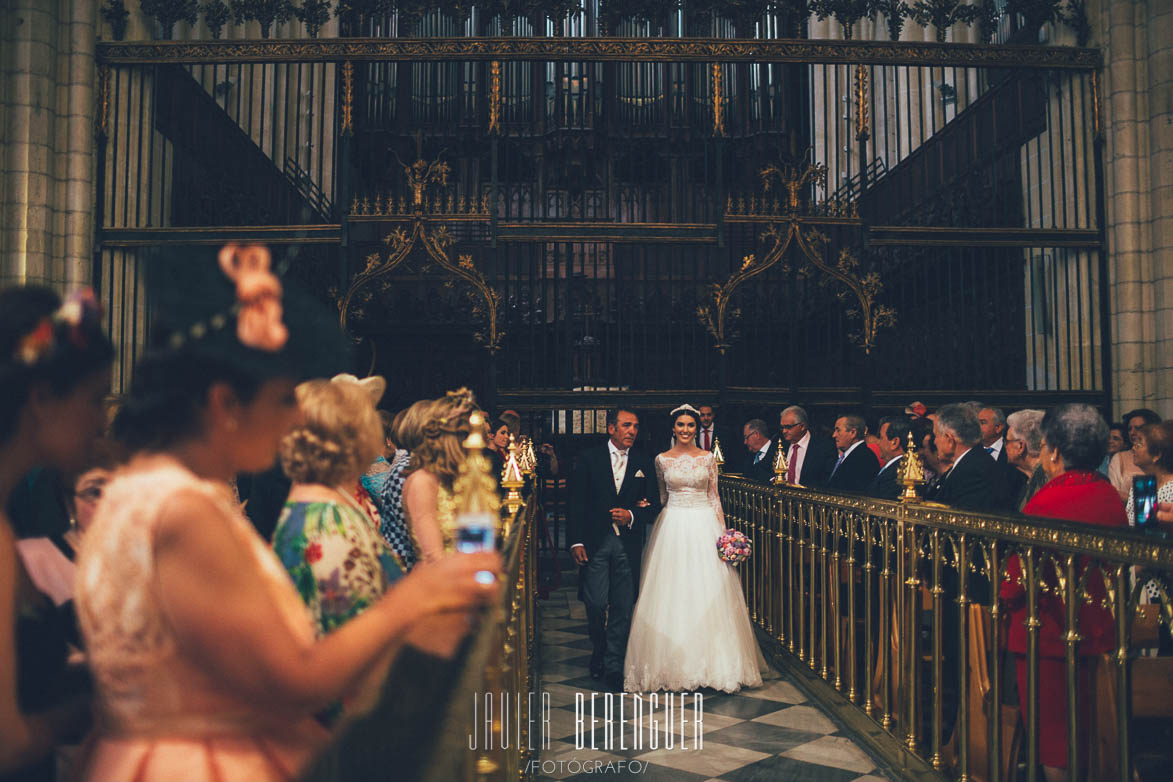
1144,501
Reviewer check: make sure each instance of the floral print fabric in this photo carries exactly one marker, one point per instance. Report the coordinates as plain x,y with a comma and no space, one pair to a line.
336,558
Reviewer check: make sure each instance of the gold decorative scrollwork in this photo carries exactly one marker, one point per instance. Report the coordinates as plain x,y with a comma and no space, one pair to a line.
495,96
606,49
348,97
103,100
794,229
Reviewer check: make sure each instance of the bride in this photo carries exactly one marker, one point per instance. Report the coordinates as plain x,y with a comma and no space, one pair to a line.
691,628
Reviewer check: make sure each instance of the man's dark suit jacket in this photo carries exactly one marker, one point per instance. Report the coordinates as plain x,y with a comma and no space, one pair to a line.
820,459
763,471
976,482
592,496
887,486
857,471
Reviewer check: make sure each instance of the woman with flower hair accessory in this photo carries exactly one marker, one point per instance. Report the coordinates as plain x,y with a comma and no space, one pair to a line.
205,657
54,375
690,628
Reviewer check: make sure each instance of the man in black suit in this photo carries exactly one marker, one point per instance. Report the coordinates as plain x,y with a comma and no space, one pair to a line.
614,496
809,459
759,464
993,425
707,434
893,435
974,480
856,467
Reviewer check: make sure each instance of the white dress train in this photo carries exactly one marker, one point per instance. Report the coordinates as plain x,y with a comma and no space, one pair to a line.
690,628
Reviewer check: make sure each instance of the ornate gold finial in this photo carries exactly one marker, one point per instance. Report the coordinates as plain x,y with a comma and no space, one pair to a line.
475,489
718,454
861,102
527,458
794,180
512,479
911,472
718,102
780,466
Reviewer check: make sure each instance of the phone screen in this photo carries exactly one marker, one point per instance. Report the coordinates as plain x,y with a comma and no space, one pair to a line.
1144,500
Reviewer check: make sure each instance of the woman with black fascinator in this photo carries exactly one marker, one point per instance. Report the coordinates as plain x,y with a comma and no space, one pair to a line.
690,628
54,376
204,655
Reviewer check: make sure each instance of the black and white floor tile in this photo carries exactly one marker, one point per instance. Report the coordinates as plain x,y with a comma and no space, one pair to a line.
765,734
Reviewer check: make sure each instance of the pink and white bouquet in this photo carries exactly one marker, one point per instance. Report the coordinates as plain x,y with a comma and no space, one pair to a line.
733,547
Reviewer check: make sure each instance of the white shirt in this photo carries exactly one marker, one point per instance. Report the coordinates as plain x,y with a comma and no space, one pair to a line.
763,451
892,461
795,462
618,464
997,446
700,439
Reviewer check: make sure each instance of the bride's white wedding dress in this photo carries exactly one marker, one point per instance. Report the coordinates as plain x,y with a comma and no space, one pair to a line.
690,628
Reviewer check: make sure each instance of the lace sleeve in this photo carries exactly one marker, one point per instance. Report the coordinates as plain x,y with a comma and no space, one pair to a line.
660,481
714,497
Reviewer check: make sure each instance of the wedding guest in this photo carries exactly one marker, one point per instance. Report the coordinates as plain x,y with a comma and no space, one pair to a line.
1153,454
205,656
1122,468
916,410
922,435
435,463
401,452
1117,442
993,424
1074,440
1024,442
893,435
498,446
973,481
394,529
708,431
809,457
759,465
856,466
54,374
324,538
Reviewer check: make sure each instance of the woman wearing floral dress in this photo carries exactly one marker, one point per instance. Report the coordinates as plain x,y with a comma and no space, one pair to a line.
336,557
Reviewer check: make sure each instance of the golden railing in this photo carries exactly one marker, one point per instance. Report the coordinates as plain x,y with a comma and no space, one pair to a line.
890,613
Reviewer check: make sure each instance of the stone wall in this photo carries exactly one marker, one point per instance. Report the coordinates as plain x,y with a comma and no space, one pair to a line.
47,89
1136,37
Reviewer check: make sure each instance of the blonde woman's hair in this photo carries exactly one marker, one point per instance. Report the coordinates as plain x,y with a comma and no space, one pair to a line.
409,423
340,437
443,427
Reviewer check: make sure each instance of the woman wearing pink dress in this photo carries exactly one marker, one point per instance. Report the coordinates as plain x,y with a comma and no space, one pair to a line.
203,654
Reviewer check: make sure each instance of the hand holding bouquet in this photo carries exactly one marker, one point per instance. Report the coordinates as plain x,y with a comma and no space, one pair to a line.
733,547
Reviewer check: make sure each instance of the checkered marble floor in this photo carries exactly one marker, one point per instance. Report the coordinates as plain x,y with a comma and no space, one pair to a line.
768,733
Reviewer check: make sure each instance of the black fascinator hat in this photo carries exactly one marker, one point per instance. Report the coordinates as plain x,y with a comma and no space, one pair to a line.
206,327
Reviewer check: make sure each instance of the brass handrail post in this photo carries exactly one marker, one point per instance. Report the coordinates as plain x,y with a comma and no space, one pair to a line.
938,593
797,606
824,590
961,727
1032,664
788,579
911,636
887,713
836,594
852,667
994,739
811,584
782,572
1122,692
1071,641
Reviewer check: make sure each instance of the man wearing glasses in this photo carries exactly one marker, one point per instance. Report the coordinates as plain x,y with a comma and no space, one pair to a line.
809,459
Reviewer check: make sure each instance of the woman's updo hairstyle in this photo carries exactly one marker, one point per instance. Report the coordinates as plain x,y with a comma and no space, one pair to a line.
43,341
194,345
341,436
445,425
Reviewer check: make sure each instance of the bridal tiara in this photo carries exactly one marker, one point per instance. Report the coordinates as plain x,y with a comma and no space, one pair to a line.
687,407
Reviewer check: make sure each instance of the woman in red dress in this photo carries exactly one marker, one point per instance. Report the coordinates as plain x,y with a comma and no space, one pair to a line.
1075,439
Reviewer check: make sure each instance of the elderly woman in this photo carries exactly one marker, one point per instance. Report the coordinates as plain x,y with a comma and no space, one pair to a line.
1122,467
336,558
1024,442
1075,438
1153,454
435,463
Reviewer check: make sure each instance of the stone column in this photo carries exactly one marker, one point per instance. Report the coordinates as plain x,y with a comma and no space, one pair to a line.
47,77
1136,37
